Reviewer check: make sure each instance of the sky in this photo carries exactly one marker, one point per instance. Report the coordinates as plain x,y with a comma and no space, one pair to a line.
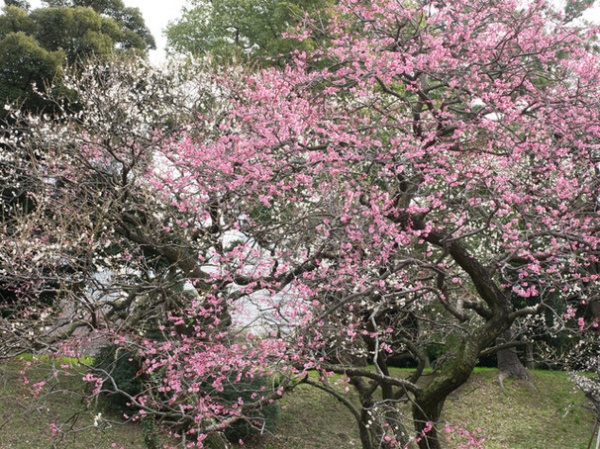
157,14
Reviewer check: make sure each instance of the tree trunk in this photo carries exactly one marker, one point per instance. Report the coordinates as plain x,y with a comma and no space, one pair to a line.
508,361
428,403
425,419
529,356
365,435
380,424
216,440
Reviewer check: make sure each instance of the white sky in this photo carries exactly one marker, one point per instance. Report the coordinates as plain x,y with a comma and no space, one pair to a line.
158,13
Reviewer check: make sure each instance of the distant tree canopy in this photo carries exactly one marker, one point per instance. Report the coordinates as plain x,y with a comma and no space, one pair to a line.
35,44
131,29
18,3
242,30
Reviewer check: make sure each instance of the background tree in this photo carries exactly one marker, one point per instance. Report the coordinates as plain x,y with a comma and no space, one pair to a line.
242,30
25,66
18,3
133,31
62,33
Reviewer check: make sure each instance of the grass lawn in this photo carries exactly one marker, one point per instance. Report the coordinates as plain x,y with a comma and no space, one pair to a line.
25,421
553,415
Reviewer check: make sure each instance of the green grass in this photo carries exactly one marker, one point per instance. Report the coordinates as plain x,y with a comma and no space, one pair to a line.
25,422
554,415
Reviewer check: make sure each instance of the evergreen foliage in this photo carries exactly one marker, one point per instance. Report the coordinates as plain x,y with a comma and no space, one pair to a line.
118,368
244,31
36,44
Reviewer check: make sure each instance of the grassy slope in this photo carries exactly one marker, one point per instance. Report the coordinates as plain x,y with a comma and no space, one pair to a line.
553,417
25,422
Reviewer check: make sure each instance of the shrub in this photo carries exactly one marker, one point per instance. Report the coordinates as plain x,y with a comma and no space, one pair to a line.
118,367
263,420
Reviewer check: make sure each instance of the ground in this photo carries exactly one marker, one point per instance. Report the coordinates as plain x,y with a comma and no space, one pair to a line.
554,415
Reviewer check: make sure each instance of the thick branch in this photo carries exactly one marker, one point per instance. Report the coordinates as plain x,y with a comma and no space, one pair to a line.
373,375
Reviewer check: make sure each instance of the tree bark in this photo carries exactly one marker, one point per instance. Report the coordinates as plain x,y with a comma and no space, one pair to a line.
509,363
428,436
529,357
428,403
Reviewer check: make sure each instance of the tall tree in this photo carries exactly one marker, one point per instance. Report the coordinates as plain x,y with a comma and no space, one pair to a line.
134,32
25,66
63,33
242,30
23,4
